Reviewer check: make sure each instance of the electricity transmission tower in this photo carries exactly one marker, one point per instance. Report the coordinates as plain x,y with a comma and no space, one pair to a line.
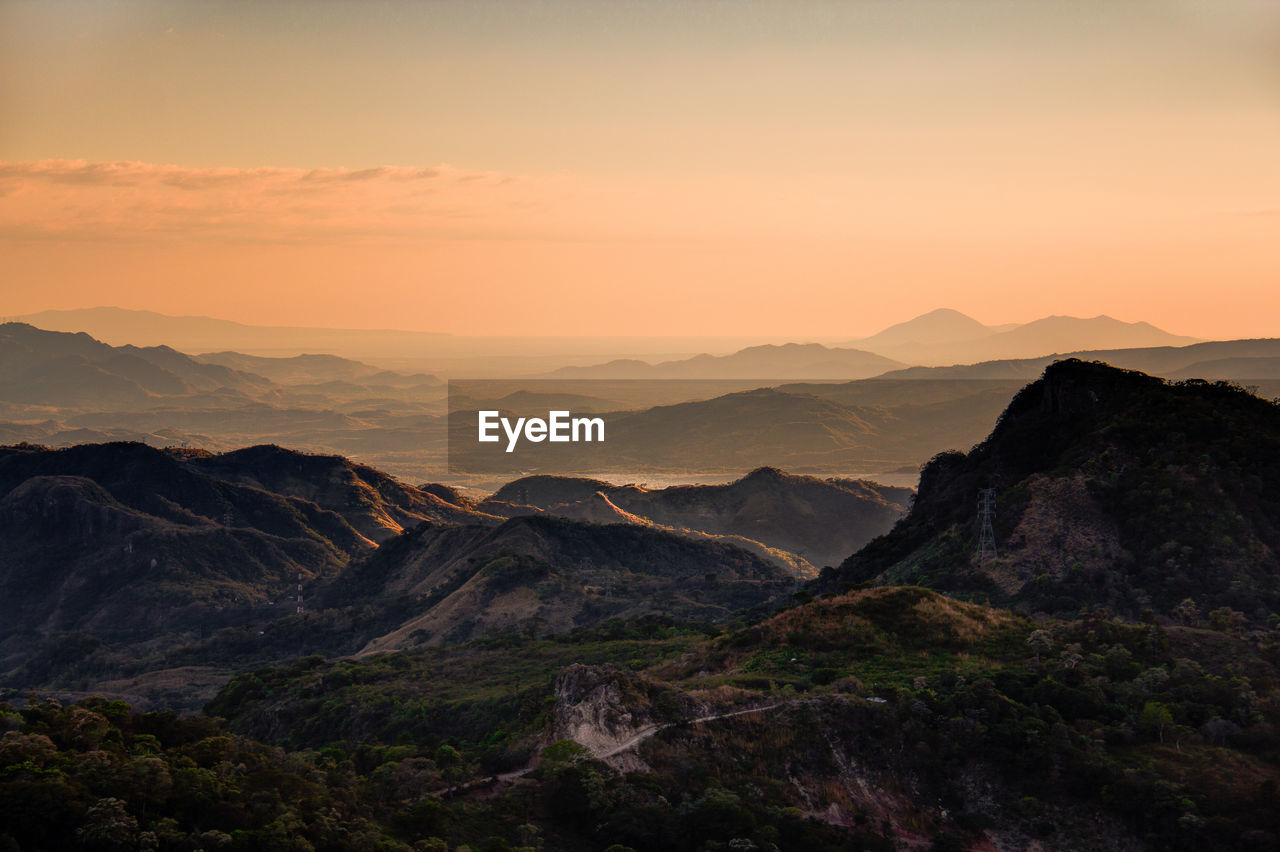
299,592
986,533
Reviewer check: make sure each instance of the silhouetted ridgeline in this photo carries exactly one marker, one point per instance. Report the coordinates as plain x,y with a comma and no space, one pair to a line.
1113,488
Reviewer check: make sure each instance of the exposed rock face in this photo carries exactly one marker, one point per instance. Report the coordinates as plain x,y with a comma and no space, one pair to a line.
590,709
607,710
1063,528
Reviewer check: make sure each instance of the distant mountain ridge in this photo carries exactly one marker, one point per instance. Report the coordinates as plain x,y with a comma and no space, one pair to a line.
768,362
74,370
940,337
206,334
941,326
409,351
314,369
818,520
63,388
1237,360
808,427
947,336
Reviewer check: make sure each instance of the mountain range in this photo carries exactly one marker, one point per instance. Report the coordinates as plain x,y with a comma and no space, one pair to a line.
73,370
114,548
490,673
404,351
947,336
757,363
1212,360
124,538
62,389
939,337
883,426
205,334
783,511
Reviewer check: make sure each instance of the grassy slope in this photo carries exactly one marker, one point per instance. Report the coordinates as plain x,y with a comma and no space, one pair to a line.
901,712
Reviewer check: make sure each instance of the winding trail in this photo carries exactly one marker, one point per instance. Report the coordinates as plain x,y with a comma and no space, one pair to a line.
644,733
621,748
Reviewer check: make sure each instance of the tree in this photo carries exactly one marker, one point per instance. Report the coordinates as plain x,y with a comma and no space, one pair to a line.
108,825
431,844
565,751
1226,619
449,761
1187,612
1040,641
1156,716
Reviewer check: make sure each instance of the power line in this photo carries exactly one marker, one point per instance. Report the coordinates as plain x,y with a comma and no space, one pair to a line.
986,533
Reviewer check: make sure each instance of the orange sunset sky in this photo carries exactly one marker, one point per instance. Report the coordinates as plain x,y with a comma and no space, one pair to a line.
804,169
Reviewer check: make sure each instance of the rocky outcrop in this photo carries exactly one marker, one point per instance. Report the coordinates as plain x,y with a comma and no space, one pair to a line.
609,710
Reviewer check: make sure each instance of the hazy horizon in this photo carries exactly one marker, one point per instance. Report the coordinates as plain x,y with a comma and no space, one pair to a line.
798,171
940,337
778,338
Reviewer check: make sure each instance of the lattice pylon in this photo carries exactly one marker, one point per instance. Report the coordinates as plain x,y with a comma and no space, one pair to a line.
986,532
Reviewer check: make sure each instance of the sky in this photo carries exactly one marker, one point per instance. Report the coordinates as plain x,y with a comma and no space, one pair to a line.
803,169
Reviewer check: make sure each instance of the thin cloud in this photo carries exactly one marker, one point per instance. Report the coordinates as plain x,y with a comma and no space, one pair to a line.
77,199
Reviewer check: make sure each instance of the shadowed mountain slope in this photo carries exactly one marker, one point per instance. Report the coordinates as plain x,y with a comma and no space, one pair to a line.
126,540
545,573
375,504
818,520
